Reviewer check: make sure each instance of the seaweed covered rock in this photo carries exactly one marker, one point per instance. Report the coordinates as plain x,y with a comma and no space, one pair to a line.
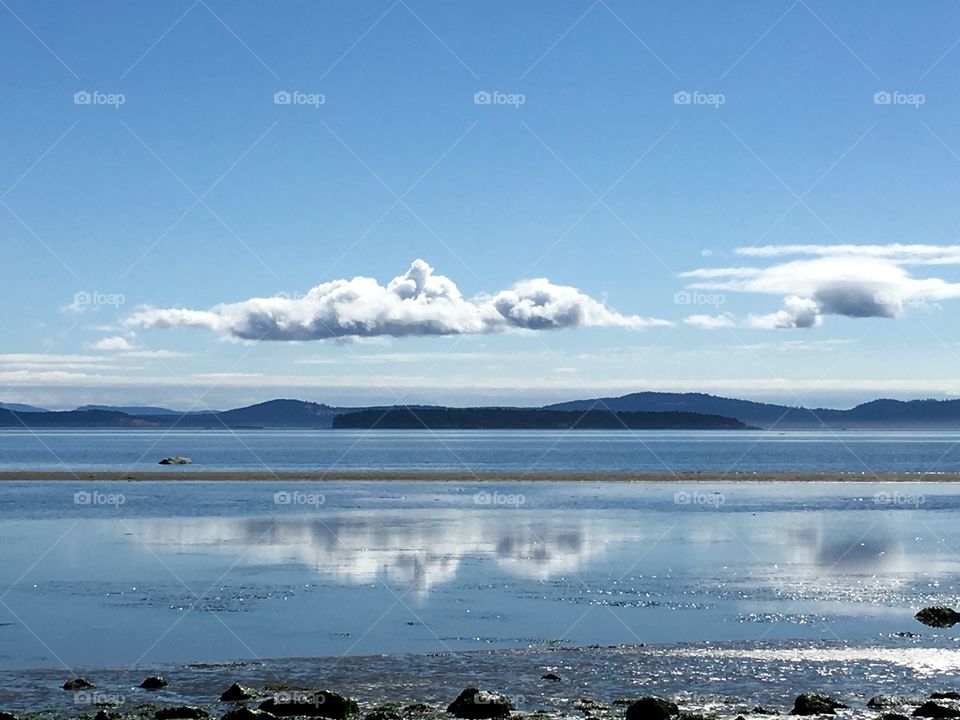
931,709
938,616
78,684
652,708
182,712
815,704
237,693
475,704
154,683
320,703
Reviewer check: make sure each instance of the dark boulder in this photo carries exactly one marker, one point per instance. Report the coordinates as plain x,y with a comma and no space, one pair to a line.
938,616
237,693
107,715
321,703
474,704
550,676
176,460
935,710
652,708
184,712
893,716
815,704
760,710
78,684
154,683
945,695
7,716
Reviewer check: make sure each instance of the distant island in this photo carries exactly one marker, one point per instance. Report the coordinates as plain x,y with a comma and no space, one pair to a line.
496,418
635,411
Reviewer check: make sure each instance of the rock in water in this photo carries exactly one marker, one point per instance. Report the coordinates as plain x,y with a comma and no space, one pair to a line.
945,695
176,460
7,716
237,693
935,710
474,704
322,703
652,708
893,716
184,712
78,684
938,616
154,683
550,676
815,704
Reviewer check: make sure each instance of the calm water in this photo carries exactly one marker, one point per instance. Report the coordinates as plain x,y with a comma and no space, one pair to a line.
852,451
153,573
709,591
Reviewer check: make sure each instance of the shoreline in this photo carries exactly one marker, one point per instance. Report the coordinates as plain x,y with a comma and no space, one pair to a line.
182,474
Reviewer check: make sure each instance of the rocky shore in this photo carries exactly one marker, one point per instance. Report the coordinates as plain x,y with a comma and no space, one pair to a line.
273,702
904,678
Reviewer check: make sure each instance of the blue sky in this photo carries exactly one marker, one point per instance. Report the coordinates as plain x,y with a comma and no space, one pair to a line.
184,185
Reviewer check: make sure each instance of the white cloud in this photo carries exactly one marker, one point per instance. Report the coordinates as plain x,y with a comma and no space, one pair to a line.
856,281
419,302
113,343
711,322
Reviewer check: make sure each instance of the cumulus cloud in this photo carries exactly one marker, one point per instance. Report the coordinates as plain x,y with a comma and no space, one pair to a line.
710,322
419,302
856,281
113,343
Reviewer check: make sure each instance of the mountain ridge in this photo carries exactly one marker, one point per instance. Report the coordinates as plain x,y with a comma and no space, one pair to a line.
881,413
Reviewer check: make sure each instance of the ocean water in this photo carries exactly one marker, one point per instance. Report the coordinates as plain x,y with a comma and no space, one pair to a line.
718,593
657,451
134,574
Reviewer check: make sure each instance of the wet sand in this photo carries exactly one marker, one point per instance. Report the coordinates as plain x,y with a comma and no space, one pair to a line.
192,474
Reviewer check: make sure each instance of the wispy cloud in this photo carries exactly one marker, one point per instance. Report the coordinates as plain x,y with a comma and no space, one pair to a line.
418,303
